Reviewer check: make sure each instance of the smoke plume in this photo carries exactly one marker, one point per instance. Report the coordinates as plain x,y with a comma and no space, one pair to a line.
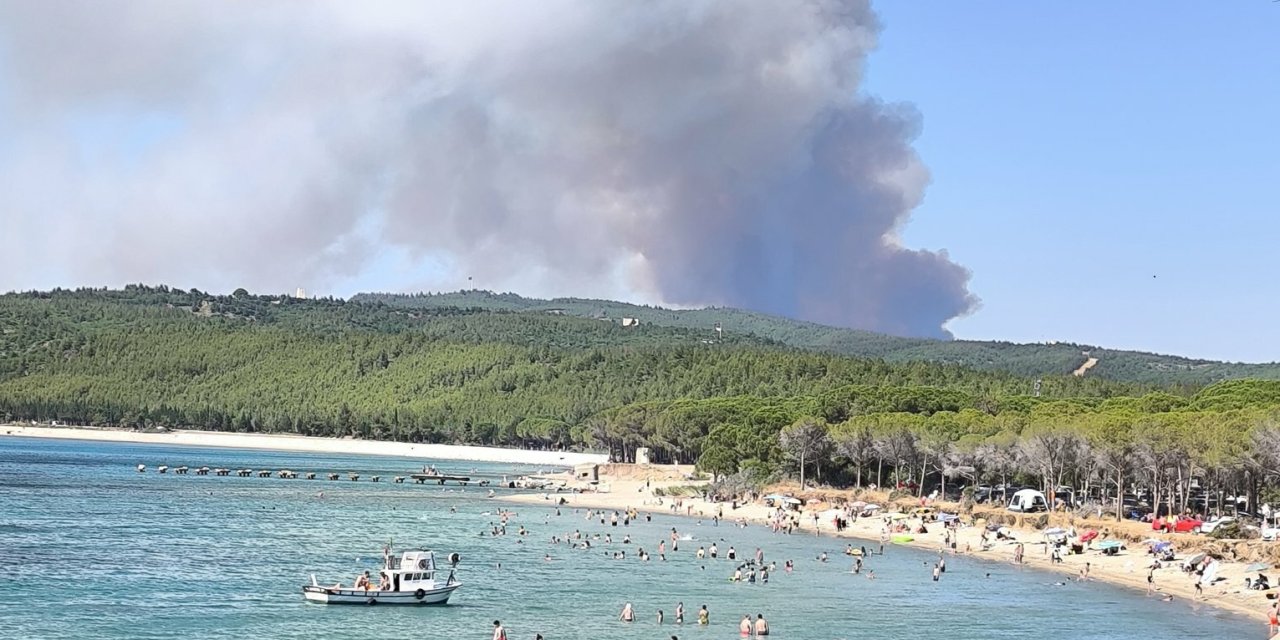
690,152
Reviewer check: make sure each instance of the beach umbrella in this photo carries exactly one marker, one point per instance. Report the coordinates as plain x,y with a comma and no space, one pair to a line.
1152,541
871,507
857,504
1089,535
1194,560
791,501
774,496
1258,566
900,516
1055,531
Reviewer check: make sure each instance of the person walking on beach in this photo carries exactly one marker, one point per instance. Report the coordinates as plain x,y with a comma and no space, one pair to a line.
1151,579
762,627
499,633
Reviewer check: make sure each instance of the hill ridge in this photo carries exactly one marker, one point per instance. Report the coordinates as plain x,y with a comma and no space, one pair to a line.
1022,359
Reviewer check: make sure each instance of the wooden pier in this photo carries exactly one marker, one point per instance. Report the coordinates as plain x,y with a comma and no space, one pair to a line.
423,478
418,478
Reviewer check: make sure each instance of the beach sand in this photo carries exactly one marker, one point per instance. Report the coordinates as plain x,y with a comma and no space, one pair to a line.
285,442
1128,569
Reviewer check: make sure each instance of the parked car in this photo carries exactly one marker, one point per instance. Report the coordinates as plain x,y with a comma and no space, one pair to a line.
1208,527
1177,525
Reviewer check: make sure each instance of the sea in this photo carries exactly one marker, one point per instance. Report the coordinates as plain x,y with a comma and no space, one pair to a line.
91,548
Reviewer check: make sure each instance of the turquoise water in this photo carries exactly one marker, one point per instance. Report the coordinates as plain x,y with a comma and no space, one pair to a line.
89,548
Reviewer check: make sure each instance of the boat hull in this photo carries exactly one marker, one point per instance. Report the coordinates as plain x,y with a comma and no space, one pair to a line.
326,595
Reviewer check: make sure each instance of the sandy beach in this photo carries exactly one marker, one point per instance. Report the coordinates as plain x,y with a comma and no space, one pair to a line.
1128,569
284,442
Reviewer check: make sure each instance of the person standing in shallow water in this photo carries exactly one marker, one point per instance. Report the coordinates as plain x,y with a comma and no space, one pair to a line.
762,627
744,626
628,614
704,616
679,613
499,633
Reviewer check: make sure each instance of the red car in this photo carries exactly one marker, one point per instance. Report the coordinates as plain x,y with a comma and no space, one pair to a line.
1178,524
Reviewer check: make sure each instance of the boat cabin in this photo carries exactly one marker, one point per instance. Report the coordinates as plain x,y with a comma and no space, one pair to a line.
413,570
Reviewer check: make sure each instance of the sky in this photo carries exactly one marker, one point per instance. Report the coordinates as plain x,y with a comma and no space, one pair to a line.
1094,172
1109,171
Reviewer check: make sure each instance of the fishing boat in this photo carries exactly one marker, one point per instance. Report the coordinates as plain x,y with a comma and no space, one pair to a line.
408,579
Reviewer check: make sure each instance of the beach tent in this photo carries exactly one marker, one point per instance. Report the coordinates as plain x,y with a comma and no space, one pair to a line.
1028,500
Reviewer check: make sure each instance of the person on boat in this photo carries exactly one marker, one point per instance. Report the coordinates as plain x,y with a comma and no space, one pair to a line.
362,581
628,614
744,627
499,633
762,626
704,617
384,582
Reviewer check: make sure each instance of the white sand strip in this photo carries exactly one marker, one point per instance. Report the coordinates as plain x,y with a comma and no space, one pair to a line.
285,442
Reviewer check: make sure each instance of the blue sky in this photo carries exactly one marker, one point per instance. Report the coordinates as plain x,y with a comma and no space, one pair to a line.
1109,172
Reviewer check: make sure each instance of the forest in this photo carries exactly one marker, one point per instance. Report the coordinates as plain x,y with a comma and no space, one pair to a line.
738,404
1027,360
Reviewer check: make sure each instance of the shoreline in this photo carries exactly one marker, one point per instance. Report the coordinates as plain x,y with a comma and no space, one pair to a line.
1126,571
308,444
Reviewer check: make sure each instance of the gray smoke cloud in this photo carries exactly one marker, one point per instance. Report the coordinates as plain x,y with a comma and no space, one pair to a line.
689,152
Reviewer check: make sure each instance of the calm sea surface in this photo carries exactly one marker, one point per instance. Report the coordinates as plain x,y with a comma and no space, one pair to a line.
90,548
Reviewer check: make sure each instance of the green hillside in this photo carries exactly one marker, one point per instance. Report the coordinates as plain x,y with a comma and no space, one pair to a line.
1026,360
155,356
165,356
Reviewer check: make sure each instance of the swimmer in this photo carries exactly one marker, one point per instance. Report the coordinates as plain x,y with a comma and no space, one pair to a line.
628,614
762,626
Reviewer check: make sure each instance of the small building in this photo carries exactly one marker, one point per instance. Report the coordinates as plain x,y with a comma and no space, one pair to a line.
642,455
630,322
589,472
